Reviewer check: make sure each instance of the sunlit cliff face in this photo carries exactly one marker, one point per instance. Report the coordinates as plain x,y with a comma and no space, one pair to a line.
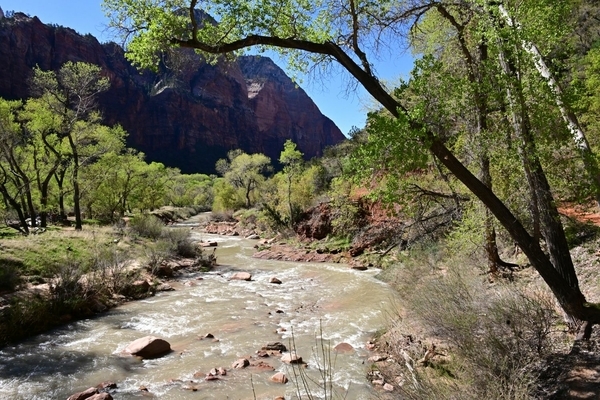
186,116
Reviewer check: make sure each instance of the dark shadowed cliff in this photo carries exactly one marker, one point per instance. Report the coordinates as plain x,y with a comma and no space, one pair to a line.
186,116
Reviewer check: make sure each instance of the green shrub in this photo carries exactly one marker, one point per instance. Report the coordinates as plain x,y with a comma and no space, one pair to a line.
180,243
146,225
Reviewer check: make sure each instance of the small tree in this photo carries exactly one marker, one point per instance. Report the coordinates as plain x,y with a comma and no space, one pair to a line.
244,172
291,158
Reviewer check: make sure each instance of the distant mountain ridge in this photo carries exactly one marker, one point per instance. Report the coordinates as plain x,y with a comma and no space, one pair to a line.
186,118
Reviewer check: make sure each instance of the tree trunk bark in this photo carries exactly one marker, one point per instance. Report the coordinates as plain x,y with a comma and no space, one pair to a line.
15,204
75,182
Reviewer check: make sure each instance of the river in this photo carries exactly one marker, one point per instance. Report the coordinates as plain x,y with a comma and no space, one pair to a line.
316,307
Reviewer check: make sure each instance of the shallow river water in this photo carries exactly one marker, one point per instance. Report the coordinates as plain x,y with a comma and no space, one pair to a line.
322,304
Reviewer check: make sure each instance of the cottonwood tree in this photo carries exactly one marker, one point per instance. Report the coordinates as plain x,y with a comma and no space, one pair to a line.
47,148
15,184
245,172
350,34
291,158
71,93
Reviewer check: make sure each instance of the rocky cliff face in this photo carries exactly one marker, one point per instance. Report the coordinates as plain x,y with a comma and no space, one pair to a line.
186,119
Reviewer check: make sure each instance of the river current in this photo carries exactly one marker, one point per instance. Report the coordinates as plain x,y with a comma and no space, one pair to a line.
316,307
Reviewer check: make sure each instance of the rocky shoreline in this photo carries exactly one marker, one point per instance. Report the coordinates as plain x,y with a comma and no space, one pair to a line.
143,283
278,249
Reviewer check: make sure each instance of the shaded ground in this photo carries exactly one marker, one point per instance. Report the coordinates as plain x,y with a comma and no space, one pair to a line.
577,374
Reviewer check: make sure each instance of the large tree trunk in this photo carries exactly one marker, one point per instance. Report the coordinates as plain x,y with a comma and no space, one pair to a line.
60,180
17,207
75,183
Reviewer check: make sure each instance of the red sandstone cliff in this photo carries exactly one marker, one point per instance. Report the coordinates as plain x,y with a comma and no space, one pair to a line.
186,119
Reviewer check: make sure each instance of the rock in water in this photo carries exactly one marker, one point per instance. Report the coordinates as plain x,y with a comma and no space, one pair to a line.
278,346
344,348
241,276
241,363
148,347
291,358
84,395
279,378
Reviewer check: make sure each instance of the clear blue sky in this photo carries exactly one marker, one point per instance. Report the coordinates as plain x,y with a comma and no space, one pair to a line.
332,95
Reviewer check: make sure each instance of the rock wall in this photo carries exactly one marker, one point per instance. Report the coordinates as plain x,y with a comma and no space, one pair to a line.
186,117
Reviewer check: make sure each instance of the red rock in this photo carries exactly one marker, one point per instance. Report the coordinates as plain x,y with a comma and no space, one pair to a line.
262,366
241,276
86,394
241,363
279,378
291,358
148,347
101,396
377,358
107,385
262,353
344,348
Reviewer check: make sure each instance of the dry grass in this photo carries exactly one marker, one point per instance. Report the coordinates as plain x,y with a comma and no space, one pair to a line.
458,336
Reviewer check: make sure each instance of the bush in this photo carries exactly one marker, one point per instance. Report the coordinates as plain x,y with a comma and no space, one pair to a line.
180,243
107,272
222,216
9,274
147,226
496,334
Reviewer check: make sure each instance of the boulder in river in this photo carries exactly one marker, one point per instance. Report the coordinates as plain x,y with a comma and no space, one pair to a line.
241,276
101,396
262,366
275,281
107,385
344,348
138,289
275,346
90,394
86,394
279,378
148,347
241,363
291,358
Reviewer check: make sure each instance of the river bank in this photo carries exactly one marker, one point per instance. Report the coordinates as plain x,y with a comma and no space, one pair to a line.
63,274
